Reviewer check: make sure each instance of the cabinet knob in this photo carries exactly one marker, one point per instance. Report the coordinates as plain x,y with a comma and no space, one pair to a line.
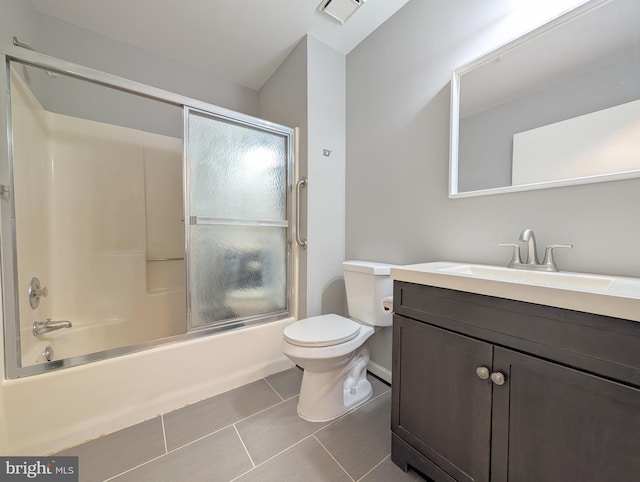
498,378
482,372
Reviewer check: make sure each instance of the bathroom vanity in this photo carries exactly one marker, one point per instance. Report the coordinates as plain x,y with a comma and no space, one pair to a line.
487,388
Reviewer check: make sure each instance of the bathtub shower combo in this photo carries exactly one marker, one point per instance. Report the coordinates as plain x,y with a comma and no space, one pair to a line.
132,216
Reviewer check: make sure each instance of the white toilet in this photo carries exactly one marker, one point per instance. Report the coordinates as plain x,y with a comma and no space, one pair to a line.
331,349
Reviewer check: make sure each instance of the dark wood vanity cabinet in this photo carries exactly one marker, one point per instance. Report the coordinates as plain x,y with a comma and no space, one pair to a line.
438,409
487,389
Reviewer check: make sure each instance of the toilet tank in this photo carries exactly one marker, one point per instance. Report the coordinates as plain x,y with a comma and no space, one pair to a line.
367,282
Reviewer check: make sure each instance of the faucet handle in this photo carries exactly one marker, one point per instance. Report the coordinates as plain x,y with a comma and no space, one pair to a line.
548,261
515,257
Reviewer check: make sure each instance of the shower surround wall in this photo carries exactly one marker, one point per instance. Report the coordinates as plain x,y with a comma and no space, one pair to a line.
85,229
33,173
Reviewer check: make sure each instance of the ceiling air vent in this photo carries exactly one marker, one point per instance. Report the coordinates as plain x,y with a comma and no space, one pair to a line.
341,10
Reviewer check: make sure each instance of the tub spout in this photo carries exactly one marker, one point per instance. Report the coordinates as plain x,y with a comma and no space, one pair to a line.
40,327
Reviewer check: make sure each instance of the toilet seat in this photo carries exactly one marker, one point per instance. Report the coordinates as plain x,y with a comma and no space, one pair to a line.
321,331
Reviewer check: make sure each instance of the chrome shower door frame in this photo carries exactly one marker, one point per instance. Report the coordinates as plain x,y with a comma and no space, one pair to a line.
190,220
8,241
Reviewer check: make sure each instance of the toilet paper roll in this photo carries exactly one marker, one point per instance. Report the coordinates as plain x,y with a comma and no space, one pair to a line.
387,304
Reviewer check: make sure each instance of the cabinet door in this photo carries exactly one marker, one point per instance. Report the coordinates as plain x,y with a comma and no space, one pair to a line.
441,407
552,423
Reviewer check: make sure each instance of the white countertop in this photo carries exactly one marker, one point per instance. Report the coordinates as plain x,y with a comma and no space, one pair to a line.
608,295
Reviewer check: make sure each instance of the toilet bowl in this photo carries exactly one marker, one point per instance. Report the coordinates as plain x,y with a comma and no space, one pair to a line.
332,349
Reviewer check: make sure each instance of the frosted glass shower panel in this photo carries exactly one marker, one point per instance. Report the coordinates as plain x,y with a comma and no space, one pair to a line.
238,176
236,272
236,171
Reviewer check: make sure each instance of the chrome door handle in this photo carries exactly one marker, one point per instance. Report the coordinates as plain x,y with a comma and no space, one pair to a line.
498,378
299,185
482,372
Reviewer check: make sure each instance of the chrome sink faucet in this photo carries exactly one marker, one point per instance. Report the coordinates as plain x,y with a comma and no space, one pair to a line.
528,237
531,262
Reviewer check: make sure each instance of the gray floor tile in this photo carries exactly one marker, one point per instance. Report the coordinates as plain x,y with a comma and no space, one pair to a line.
286,383
387,471
274,430
194,421
362,438
218,457
221,455
114,453
305,462
377,386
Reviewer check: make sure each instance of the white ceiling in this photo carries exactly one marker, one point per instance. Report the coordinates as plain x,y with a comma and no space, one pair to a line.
241,41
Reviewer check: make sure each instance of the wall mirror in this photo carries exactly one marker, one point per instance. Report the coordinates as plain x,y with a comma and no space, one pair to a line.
555,107
132,216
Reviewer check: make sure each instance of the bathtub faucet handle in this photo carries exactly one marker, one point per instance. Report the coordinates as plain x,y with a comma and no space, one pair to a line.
36,291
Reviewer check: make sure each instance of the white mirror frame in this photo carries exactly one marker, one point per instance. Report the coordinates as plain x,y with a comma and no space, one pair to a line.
455,116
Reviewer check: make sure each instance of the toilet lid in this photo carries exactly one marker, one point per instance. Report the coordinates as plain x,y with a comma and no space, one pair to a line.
324,330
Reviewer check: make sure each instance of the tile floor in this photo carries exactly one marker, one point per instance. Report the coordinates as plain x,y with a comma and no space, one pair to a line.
252,433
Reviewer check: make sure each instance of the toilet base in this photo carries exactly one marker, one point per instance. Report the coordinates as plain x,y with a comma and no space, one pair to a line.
326,395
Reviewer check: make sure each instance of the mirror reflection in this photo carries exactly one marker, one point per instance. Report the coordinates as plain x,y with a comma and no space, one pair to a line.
559,106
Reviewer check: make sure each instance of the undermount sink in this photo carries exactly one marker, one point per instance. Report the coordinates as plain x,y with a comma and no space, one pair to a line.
615,296
577,281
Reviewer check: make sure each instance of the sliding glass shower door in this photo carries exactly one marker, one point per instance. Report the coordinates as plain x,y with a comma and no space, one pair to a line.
236,213
106,185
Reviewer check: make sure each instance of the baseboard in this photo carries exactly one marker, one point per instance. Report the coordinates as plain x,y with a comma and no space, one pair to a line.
379,371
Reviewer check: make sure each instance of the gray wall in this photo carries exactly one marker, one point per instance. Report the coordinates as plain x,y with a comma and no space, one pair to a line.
18,18
308,91
90,101
398,208
90,49
326,211
283,99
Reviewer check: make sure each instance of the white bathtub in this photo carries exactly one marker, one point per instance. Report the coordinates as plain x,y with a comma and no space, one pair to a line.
50,411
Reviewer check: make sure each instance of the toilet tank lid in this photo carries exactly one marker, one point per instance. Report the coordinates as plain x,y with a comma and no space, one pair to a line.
369,267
